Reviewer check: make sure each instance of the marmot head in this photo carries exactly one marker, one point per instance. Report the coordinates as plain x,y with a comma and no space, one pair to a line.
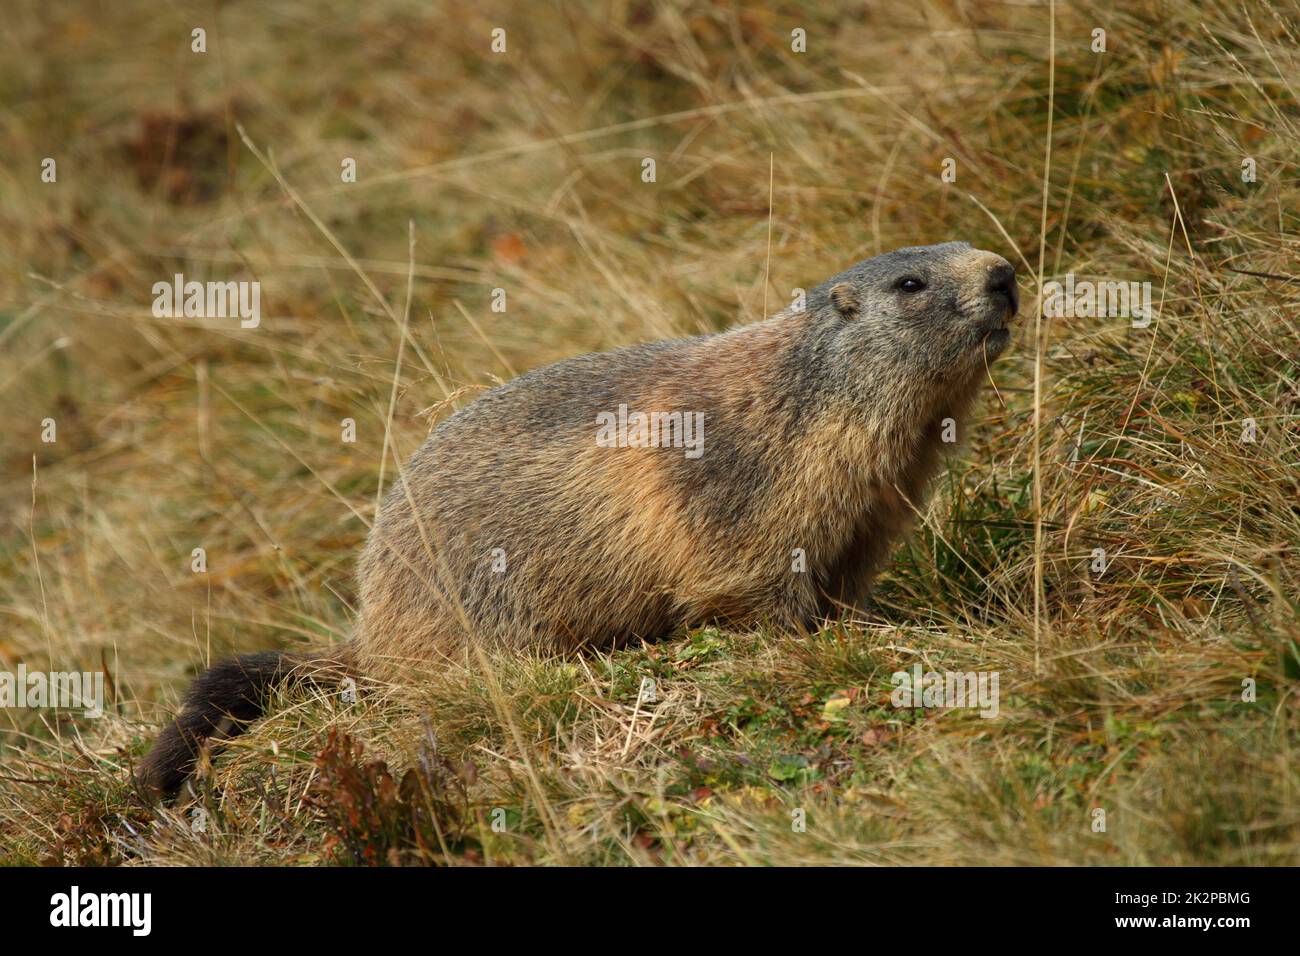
941,310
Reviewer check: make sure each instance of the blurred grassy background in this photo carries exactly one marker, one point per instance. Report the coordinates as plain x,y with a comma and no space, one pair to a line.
522,171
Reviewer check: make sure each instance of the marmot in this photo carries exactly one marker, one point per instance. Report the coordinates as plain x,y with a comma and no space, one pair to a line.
754,476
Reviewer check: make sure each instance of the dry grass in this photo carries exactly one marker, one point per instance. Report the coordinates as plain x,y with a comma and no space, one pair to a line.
522,172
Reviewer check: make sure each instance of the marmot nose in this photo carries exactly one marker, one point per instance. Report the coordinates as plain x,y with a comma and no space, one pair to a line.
1002,281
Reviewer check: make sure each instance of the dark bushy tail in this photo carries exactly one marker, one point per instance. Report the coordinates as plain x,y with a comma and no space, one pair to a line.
220,704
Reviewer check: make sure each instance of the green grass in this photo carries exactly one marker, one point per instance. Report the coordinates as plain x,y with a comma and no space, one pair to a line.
1124,694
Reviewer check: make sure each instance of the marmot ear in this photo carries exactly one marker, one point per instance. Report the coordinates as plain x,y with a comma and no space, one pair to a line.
845,299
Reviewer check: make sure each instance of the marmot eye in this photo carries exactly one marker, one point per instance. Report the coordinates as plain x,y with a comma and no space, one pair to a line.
909,284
